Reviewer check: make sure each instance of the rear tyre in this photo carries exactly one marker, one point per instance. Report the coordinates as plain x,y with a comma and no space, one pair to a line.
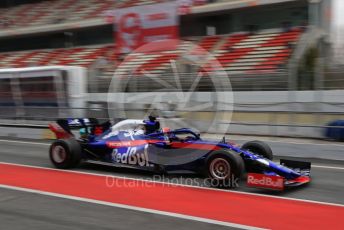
65,154
224,168
260,148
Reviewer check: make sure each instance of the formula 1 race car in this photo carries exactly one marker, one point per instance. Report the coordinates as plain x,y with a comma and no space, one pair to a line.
143,145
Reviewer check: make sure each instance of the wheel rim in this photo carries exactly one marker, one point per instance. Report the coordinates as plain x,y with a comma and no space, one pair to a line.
220,168
59,154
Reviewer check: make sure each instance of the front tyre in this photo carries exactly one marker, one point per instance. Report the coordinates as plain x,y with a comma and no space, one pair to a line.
260,148
224,168
65,154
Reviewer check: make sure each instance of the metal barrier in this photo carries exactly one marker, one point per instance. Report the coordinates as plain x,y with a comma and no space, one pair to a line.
267,123
239,82
31,126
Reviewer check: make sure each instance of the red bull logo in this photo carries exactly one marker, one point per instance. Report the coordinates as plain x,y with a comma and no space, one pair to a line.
132,156
265,181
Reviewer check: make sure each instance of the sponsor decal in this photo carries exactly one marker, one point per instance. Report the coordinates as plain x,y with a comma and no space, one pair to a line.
121,144
78,121
138,25
126,133
265,181
132,156
118,144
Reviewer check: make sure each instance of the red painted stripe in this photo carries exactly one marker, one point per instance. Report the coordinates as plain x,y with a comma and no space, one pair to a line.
246,209
188,145
185,145
301,179
119,144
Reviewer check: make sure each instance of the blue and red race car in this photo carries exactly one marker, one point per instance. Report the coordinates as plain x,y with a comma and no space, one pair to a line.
144,145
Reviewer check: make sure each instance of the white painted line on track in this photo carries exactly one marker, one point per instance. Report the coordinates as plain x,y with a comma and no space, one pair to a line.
322,166
181,185
327,167
296,143
48,144
25,142
170,214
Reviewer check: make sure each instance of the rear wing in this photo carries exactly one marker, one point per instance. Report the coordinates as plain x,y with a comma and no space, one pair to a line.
62,128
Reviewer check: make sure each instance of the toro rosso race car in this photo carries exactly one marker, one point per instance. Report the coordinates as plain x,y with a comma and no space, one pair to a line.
144,145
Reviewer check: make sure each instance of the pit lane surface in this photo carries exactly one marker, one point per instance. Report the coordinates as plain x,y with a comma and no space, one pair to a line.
327,186
22,210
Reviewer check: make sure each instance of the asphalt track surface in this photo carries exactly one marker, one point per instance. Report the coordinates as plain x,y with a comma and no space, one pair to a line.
25,210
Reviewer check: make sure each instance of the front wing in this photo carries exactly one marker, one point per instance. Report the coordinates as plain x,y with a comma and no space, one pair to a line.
277,182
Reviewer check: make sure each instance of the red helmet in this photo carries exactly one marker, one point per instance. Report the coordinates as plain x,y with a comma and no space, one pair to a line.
166,130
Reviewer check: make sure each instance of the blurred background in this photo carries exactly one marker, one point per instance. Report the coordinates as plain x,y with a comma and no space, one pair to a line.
284,59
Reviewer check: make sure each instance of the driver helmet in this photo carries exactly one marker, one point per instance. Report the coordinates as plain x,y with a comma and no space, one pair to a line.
152,118
167,135
166,130
152,125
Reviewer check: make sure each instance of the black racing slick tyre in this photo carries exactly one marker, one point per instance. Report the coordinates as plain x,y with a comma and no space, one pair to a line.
260,148
224,168
65,154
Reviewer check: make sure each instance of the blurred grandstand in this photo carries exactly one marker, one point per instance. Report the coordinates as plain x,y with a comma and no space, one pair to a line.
263,45
253,39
